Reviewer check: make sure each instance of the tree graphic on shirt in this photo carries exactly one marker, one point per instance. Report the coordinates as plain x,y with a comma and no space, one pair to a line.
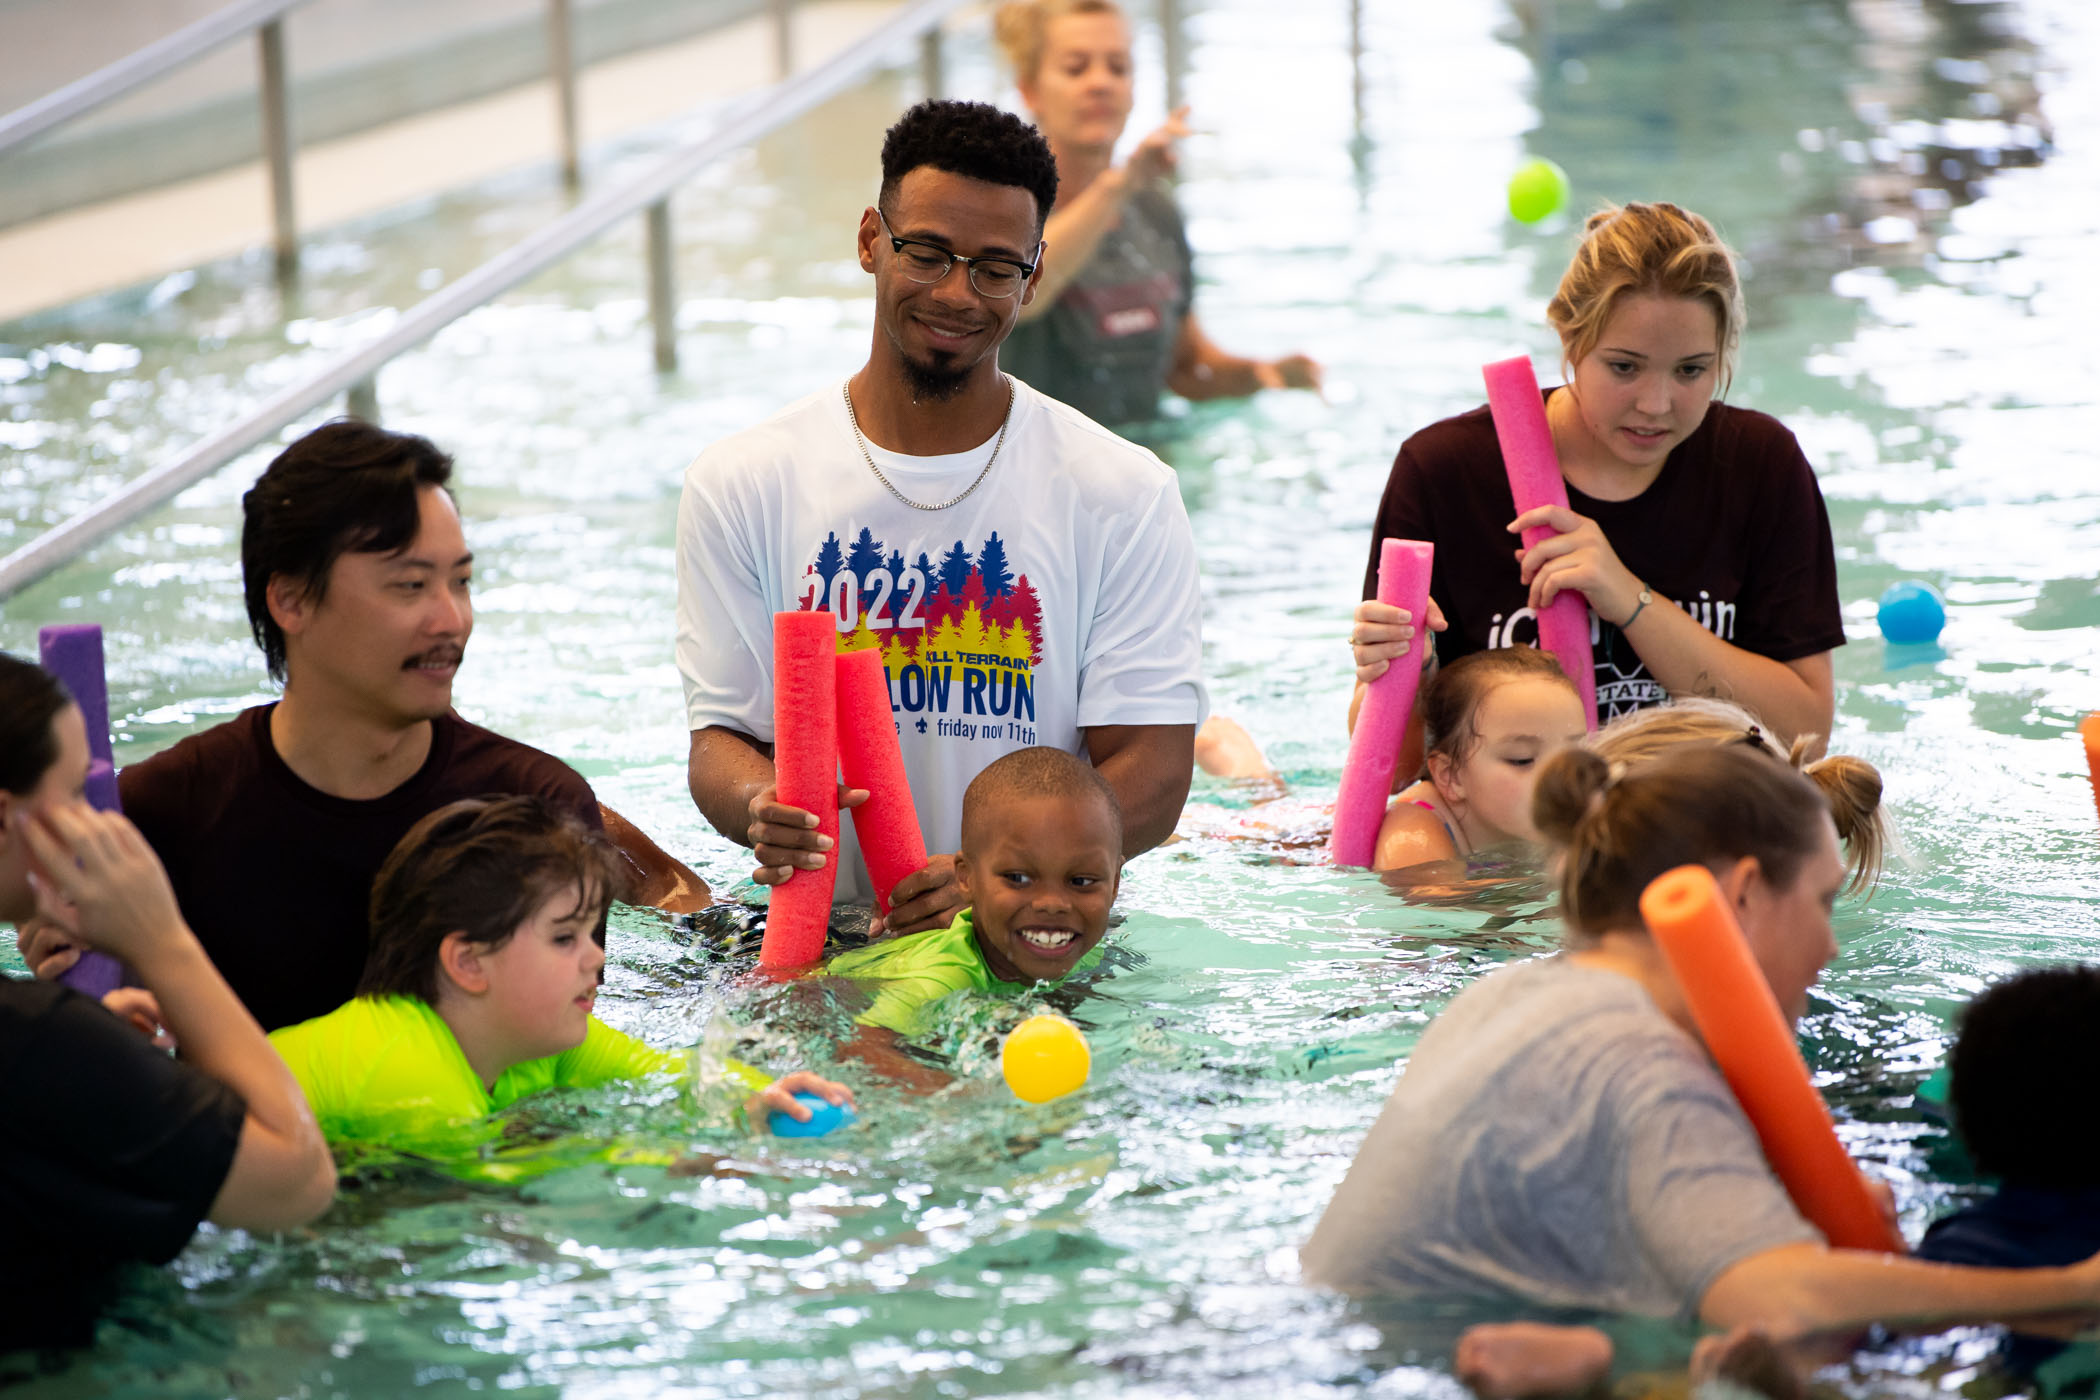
991,567
956,570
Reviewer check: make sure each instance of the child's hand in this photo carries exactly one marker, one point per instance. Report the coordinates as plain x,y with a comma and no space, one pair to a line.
779,1096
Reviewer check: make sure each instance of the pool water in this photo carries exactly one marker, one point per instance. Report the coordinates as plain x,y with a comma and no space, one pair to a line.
1912,184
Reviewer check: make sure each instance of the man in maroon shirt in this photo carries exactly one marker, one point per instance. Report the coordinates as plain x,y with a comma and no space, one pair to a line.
272,825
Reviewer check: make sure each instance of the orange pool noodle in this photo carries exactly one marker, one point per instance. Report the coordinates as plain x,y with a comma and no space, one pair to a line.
870,757
1750,1040
2089,730
805,775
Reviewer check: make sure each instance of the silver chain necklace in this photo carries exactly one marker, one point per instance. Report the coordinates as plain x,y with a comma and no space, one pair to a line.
869,457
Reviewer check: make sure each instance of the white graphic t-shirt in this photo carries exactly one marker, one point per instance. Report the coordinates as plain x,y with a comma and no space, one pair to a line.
1060,595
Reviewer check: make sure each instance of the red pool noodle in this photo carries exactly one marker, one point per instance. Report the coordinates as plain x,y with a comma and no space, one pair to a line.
1374,749
805,775
73,653
870,757
1747,1034
1534,481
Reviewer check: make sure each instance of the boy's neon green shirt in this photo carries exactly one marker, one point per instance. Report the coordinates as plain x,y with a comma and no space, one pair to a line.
917,971
388,1069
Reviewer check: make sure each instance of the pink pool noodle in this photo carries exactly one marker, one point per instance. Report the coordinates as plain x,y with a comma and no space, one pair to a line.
1534,481
870,757
73,653
805,775
1374,749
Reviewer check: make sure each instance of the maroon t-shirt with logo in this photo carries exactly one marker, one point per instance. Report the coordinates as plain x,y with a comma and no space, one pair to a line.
1733,531
276,876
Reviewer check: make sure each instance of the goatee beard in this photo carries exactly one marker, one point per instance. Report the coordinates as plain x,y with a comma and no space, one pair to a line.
937,383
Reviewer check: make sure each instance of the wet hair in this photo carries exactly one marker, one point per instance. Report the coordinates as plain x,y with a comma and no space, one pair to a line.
30,698
2021,1043
1037,772
480,866
1689,806
1021,29
1451,702
346,487
1645,250
1852,786
976,141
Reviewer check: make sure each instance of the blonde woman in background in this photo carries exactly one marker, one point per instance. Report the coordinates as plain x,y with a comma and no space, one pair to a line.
1113,319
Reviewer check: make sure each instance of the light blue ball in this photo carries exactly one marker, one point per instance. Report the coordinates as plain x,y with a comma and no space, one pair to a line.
1911,612
823,1117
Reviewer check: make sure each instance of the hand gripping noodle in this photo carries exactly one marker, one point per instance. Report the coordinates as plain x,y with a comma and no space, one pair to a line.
1748,1037
869,757
805,775
2089,730
1374,749
1534,481
74,655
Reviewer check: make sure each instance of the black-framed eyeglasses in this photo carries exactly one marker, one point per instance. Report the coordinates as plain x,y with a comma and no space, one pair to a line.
930,262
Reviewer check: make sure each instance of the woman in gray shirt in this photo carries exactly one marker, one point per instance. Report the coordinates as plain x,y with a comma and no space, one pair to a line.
1560,1135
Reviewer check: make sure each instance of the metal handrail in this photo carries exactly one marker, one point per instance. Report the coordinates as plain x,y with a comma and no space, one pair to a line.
537,252
135,70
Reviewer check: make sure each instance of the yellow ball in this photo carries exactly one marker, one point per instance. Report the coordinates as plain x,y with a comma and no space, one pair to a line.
1045,1057
1537,189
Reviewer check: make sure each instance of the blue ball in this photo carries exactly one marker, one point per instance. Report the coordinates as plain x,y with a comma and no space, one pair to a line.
823,1117
1911,612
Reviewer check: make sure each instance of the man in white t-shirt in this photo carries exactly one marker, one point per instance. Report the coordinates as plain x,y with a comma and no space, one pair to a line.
1029,576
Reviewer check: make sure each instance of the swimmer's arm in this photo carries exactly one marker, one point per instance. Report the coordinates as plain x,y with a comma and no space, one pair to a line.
1203,369
1148,766
877,1047
1790,698
1802,1288
1077,223
655,877
1411,835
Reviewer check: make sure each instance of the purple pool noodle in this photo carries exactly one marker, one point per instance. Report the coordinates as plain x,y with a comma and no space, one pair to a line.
1374,749
73,653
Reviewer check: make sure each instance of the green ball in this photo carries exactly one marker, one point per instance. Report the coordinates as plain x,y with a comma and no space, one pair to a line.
1537,189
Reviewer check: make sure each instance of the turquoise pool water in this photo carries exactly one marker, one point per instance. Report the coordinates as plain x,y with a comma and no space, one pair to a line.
1912,184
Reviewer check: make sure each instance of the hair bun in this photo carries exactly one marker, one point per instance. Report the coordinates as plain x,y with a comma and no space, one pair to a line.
1568,786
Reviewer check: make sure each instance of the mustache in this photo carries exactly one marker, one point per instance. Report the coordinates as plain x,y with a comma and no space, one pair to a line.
450,654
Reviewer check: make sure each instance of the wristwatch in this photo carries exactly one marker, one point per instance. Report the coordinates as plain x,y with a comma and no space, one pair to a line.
1645,599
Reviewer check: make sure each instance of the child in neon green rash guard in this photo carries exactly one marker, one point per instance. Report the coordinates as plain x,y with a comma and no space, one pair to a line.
1042,855
488,928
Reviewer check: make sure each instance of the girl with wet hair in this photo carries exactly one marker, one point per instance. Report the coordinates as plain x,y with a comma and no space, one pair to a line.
1694,528
1560,1136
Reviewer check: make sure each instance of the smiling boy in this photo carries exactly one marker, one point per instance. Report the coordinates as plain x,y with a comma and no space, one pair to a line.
1041,858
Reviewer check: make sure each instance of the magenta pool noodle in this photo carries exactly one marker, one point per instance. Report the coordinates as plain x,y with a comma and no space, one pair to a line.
805,775
1534,481
1374,749
870,757
73,653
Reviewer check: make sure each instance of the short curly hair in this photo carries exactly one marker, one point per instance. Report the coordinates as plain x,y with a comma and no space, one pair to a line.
2025,1043
976,141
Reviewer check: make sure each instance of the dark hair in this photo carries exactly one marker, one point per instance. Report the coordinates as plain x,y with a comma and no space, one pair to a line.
2022,1043
30,698
479,866
1690,806
1451,702
346,487
976,141
1038,772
